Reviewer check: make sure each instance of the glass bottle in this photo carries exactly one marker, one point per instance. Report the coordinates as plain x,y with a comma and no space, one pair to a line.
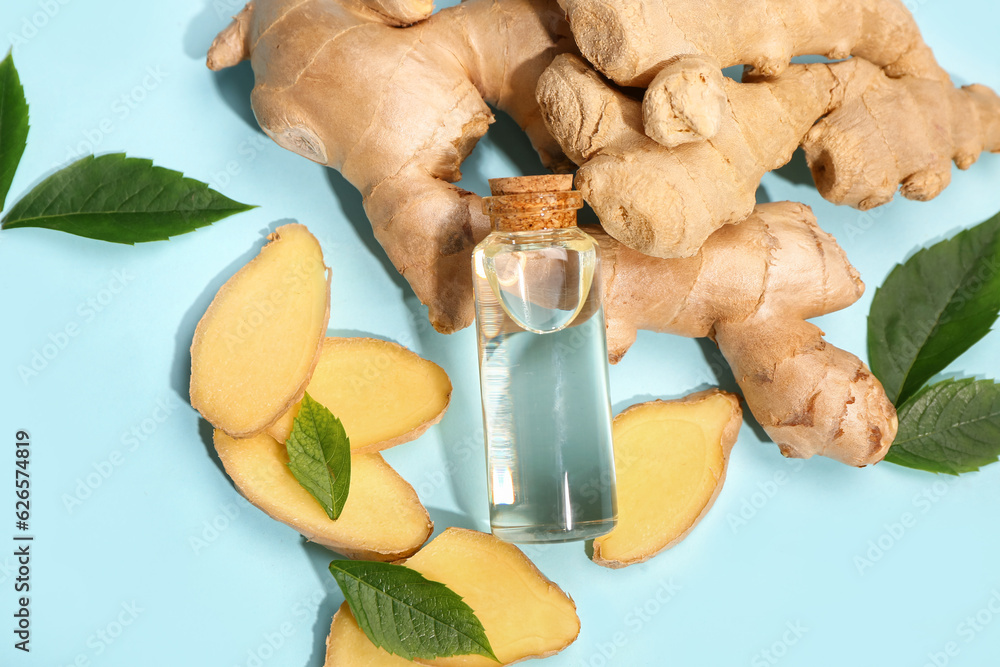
543,365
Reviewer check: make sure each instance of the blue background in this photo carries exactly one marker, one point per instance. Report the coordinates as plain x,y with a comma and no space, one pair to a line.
159,538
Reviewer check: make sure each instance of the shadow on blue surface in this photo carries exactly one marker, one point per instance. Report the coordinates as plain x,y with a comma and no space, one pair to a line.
234,85
320,557
206,25
727,382
206,433
509,139
797,170
350,205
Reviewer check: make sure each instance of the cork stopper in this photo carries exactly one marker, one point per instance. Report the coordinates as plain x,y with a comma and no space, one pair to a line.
528,203
526,185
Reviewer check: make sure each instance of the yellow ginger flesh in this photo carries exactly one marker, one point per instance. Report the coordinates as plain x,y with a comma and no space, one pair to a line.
382,519
670,461
259,340
383,393
524,614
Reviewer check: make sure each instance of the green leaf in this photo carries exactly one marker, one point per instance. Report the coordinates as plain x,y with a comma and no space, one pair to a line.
408,615
950,427
933,308
13,124
122,200
319,455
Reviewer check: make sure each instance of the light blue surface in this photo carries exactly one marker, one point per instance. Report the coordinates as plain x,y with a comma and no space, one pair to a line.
727,593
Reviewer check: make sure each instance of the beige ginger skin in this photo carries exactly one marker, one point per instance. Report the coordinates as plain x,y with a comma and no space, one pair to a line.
629,41
670,462
752,287
664,174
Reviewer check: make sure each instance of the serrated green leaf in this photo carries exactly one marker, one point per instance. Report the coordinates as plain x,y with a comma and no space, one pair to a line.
934,307
13,124
122,200
950,427
406,614
319,455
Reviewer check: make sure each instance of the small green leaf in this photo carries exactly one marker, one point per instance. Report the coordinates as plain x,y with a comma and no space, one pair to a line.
122,200
406,614
319,455
950,427
13,124
933,308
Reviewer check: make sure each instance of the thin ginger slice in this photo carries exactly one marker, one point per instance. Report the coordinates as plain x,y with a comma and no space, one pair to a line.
258,343
524,614
383,393
383,518
670,462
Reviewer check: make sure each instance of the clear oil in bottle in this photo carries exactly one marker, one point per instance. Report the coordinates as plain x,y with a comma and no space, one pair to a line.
543,366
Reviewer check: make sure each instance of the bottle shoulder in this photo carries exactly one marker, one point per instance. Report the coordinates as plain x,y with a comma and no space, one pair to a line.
571,238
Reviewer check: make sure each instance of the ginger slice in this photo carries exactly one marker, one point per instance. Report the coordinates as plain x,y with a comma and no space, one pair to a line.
258,343
670,461
383,393
382,520
524,614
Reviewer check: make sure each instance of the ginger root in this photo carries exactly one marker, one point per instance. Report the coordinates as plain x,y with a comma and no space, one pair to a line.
664,174
861,152
631,40
752,287
383,393
382,519
670,461
260,339
524,614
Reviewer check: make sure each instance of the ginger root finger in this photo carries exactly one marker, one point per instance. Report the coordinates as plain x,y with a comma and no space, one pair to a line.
670,462
685,102
428,228
401,12
256,346
751,287
630,40
666,202
861,153
524,614
382,519
811,398
383,393
231,46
